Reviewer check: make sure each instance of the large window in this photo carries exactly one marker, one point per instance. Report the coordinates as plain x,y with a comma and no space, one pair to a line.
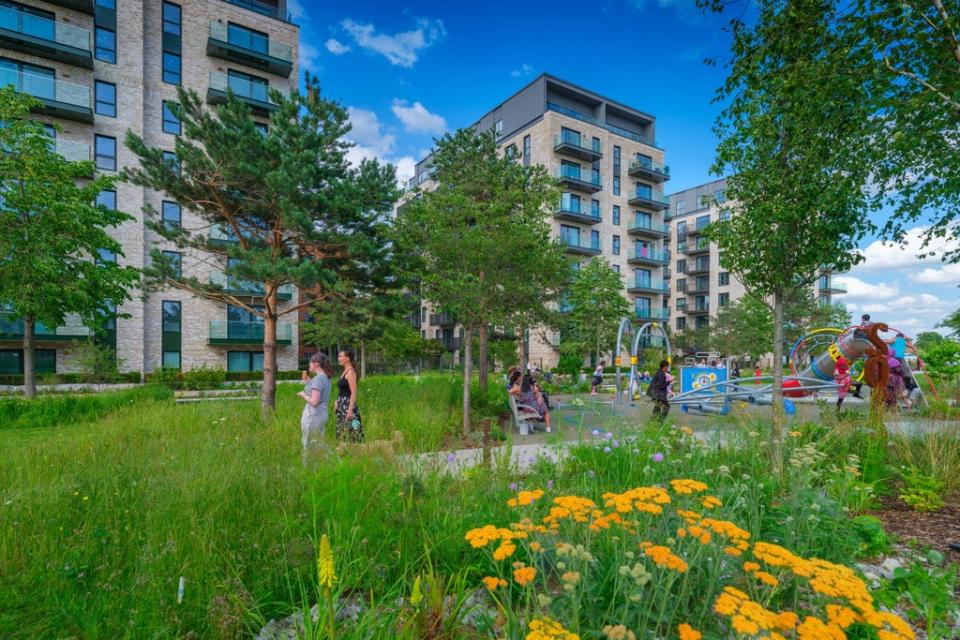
105,102
570,235
616,160
176,262
680,206
681,323
616,185
170,215
108,199
616,214
248,38
248,86
244,361
172,321
723,299
682,266
723,278
171,18
11,361
526,151
106,45
106,152
171,67
37,81
170,158
171,124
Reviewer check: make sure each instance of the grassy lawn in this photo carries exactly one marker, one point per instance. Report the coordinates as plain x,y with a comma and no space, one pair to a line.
99,520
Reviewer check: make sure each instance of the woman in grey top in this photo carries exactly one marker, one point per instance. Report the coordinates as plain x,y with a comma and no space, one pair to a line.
316,392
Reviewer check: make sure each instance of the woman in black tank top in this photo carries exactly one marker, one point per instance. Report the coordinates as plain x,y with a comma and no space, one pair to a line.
349,423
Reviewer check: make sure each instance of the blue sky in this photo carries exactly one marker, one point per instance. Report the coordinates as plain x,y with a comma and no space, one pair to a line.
410,71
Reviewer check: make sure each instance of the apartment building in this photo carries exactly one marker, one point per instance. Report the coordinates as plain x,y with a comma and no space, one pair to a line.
105,67
605,155
701,286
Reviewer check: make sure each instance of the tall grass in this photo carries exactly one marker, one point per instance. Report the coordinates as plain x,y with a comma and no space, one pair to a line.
20,413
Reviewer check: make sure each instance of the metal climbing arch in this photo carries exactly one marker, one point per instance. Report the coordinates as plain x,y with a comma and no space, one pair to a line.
627,330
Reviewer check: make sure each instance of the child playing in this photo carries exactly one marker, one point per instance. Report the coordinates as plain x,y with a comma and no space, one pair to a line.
669,386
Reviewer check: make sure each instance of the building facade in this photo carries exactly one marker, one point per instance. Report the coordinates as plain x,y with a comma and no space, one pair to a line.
102,68
700,285
605,155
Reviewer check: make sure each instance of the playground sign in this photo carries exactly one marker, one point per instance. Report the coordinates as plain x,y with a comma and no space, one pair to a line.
694,378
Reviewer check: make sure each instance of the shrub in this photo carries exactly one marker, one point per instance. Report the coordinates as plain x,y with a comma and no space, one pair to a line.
873,539
203,377
16,380
98,363
170,378
569,364
922,492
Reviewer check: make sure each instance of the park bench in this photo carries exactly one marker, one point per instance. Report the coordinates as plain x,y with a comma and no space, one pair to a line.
525,417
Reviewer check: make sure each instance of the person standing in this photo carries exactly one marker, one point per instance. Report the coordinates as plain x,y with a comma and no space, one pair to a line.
349,423
316,393
841,376
861,333
597,378
756,373
658,391
735,372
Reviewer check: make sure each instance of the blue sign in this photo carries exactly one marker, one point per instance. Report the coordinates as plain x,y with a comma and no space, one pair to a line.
694,378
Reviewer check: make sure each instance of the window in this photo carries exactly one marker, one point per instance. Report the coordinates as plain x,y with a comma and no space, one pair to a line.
570,235
423,333
176,262
106,256
171,319
11,361
681,323
570,202
724,215
423,314
511,152
616,245
107,4
171,18
569,170
108,199
595,209
171,67
170,158
616,185
171,124
616,267
105,96
248,86
595,239
724,278
682,228
596,147
720,195
723,299
244,361
106,45
681,304
682,266
526,151
681,284
498,127
680,206
703,201
643,190
170,213
106,152
248,38
262,127
616,214
616,159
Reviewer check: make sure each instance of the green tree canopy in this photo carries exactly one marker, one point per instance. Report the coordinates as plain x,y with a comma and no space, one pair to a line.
276,207
57,255
597,306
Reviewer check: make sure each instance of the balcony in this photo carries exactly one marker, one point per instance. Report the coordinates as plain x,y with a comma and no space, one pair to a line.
572,179
83,6
574,211
263,8
237,287
11,328
649,229
699,288
571,144
698,267
698,229
648,285
253,94
40,36
700,308
650,200
652,314
649,170
442,320
580,247
249,49
832,287
695,247
235,332
648,256
59,99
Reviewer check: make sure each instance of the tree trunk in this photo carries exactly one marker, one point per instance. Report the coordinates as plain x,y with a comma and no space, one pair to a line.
29,373
779,415
522,346
268,393
483,368
467,377
363,359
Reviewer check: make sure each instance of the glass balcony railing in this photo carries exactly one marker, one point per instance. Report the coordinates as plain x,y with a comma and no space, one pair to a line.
252,42
653,255
46,87
649,284
245,287
576,207
651,196
652,313
572,173
45,29
250,91
653,227
263,9
620,131
576,140
228,331
649,166
574,242
11,327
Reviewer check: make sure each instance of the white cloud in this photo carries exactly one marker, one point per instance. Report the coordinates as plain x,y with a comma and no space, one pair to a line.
857,289
406,166
309,56
524,70
948,274
336,47
401,49
880,256
416,118
297,12
370,143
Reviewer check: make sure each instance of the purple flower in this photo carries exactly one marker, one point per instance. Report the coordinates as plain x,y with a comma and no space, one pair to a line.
607,449
549,484
657,457
615,443
595,432
608,435
451,458
513,486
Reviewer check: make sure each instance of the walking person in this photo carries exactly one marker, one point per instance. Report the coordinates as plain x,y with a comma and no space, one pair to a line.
349,423
658,391
316,393
597,378
841,376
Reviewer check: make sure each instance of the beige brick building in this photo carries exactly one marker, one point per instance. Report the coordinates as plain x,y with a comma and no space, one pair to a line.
700,285
105,67
612,172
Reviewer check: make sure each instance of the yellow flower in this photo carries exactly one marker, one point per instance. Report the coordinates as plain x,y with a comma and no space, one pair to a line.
795,434
536,546
710,502
491,582
504,551
688,486
416,595
665,558
548,629
688,633
524,575
325,570
815,629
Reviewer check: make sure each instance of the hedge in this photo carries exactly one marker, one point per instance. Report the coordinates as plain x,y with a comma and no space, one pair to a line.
68,378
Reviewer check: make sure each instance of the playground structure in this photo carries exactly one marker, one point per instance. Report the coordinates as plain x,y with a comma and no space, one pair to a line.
812,363
628,331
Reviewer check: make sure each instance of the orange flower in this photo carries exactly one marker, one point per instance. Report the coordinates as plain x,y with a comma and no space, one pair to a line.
688,633
524,575
491,582
688,486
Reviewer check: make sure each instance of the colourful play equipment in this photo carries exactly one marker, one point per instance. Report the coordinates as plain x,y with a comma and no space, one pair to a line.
812,363
641,336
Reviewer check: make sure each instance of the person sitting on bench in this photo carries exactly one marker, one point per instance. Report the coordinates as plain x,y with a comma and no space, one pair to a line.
527,394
